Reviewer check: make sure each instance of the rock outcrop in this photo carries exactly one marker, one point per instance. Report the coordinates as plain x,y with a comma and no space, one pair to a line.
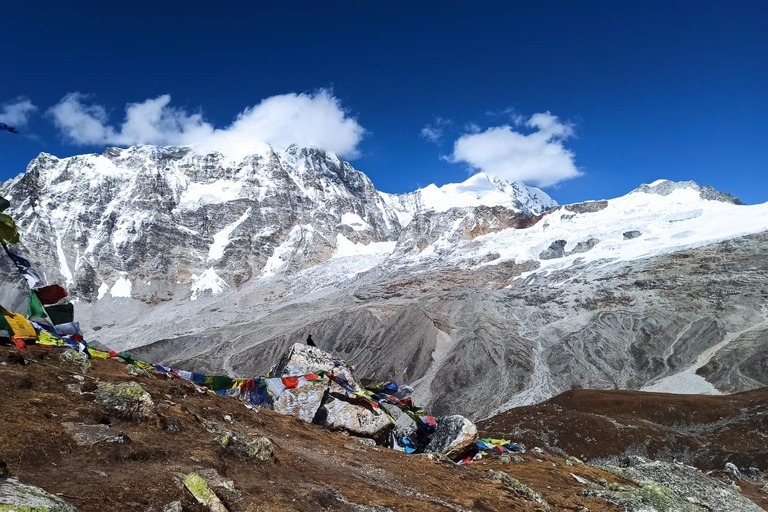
454,436
18,497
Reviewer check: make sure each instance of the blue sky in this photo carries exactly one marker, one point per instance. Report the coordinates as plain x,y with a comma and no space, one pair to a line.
635,92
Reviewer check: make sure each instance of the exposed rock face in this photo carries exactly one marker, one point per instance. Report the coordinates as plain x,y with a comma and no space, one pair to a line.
555,250
15,495
127,399
666,486
666,187
585,245
454,435
629,235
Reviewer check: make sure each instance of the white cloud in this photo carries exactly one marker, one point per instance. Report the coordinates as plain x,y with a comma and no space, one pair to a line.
537,158
308,120
435,131
17,112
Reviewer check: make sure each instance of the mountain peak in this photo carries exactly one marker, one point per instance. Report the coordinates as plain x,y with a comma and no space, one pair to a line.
665,187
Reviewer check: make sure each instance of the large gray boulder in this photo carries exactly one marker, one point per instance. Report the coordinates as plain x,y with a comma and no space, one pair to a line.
331,405
302,402
16,496
340,411
454,436
302,359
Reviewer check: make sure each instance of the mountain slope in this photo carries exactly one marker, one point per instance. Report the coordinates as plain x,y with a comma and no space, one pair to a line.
194,261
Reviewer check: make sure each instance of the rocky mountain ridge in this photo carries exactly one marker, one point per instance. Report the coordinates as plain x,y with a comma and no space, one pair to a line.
191,260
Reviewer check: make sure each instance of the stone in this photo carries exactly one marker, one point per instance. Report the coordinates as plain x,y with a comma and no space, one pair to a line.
731,468
127,399
585,245
174,506
132,369
78,358
629,235
259,448
302,402
302,359
555,250
18,497
196,485
454,436
339,412
88,435
520,488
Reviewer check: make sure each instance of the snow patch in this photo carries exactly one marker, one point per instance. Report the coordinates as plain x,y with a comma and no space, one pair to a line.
121,288
282,252
207,284
63,267
221,239
345,248
103,290
219,191
354,221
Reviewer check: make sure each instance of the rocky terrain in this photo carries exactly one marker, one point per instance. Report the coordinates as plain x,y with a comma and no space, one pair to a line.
214,266
106,437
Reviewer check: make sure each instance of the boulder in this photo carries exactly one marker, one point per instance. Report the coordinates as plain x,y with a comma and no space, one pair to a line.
127,399
202,492
88,435
585,245
454,436
555,250
174,506
629,235
302,402
19,497
350,414
135,371
302,359
78,358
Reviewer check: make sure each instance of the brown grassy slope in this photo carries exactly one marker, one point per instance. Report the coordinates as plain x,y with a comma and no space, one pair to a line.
313,470
705,431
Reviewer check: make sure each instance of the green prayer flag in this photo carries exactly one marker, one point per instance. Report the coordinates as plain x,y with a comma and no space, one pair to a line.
35,306
4,203
61,313
8,232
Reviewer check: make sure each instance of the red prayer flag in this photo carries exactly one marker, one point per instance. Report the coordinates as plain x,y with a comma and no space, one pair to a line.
290,382
19,343
50,294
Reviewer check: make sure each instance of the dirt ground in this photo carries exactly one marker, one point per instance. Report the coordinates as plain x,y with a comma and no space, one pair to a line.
313,469
703,431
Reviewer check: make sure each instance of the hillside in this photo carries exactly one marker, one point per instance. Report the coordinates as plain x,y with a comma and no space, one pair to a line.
58,437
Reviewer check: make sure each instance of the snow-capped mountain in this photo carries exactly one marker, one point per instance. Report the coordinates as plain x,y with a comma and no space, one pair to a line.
478,190
155,223
194,260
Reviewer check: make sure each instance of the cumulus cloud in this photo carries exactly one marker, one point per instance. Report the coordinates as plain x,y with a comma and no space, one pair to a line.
435,131
308,120
17,112
537,158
